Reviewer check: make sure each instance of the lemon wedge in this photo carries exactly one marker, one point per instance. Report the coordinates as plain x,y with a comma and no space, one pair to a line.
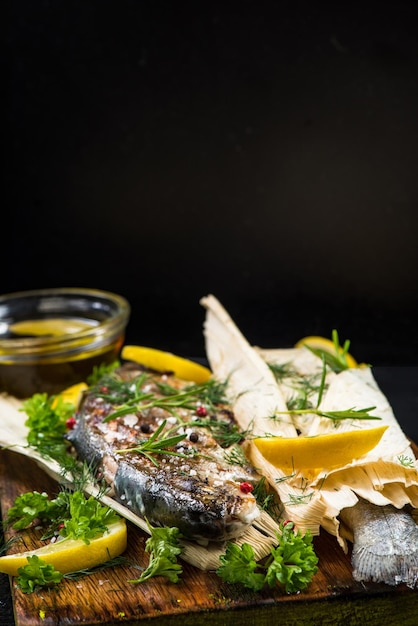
52,326
73,555
320,452
326,345
166,362
72,394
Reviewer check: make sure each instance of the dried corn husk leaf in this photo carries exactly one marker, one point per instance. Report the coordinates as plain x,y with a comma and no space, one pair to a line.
314,499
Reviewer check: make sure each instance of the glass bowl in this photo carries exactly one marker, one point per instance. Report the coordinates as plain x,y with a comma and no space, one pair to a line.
53,338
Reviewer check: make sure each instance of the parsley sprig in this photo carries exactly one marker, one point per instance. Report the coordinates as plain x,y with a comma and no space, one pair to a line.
70,513
163,547
46,422
37,574
292,563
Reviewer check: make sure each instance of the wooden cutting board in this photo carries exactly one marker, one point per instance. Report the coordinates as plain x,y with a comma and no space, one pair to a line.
107,597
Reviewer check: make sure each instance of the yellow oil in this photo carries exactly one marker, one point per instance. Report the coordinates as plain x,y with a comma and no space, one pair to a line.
54,365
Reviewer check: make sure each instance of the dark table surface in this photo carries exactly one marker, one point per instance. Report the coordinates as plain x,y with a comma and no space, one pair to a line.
400,385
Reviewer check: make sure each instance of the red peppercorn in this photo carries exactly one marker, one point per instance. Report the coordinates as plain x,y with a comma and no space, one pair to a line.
201,411
246,487
104,389
71,422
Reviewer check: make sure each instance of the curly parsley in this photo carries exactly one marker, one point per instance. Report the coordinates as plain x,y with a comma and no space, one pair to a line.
164,547
292,563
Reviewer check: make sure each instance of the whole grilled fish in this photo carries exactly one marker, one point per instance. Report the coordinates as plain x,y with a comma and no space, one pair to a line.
150,437
385,543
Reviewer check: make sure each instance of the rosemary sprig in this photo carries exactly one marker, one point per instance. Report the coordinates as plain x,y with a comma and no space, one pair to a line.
352,413
158,443
171,399
337,360
304,408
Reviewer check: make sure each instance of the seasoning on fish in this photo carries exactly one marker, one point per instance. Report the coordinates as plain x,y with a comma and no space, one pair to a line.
148,436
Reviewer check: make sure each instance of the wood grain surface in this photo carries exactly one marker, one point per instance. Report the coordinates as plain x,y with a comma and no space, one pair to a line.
107,597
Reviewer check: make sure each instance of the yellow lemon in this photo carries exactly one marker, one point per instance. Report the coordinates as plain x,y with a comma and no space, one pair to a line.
52,326
166,362
73,555
72,394
320,452
326,345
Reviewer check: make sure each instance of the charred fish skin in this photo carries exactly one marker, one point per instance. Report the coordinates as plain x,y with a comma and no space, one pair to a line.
198,511
194,489
385,546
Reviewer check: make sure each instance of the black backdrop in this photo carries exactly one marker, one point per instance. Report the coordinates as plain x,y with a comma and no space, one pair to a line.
266,152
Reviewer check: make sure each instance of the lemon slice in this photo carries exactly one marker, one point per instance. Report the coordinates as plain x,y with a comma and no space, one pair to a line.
52,326
320,452
72,394
73,555
166,362
326,345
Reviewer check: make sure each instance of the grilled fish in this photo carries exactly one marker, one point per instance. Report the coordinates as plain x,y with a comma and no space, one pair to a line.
149,436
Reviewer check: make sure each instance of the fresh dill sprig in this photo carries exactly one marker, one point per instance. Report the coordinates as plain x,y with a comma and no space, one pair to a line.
235,456
406,461
225,432
266,499
282,371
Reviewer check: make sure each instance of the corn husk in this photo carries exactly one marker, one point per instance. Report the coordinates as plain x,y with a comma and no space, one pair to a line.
311,499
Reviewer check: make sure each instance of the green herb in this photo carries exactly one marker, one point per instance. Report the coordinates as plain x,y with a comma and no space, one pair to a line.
88,518
292,563
36,574
336,416
225,432
158,443
266,499
99,371
282,370
235,456
132,399
238,565
70,513
46,422
406,461
299,499
164,547
337,360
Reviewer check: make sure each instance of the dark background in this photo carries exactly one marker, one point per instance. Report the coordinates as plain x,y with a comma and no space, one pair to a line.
266,152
